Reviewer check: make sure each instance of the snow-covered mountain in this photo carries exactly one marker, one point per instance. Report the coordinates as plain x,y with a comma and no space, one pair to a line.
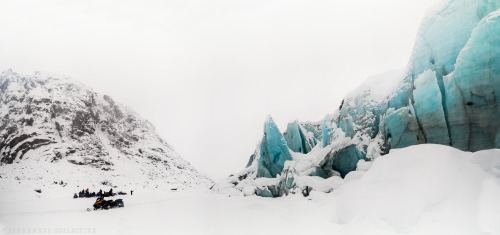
55,129
448,95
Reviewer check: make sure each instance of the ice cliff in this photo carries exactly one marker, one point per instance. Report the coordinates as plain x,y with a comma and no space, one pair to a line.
448,94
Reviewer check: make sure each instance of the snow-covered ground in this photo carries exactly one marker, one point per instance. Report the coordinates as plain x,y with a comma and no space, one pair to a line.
424,189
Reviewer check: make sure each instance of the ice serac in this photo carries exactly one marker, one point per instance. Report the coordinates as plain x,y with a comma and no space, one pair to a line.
474,89
298,138
431,116
274,151
448,94
327,127
401,128
346,159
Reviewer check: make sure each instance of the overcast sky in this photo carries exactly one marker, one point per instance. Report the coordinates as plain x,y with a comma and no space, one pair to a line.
207,73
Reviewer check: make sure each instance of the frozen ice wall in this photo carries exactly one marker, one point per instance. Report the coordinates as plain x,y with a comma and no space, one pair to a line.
452,80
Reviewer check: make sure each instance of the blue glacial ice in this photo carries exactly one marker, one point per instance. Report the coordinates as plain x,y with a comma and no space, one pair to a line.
274,151
299,139
448,94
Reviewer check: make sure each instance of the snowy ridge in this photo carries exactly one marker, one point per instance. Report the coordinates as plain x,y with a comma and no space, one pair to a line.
378,87
53,128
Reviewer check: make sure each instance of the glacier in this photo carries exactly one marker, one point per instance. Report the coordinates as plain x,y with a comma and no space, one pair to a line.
446,95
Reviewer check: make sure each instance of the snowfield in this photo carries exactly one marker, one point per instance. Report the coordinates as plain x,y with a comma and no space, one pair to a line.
423,189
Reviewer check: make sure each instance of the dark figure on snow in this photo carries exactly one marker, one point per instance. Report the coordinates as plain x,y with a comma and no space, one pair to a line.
111,192
131,192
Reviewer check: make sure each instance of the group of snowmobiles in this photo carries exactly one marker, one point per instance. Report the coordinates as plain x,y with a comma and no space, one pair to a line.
101,203
87,193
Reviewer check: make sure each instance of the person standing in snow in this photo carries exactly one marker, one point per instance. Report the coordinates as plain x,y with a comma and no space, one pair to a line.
131,192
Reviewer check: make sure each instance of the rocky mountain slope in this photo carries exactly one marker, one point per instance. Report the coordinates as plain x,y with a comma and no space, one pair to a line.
448,94
56,129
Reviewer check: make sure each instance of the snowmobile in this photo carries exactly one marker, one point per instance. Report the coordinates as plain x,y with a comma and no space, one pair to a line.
100,203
